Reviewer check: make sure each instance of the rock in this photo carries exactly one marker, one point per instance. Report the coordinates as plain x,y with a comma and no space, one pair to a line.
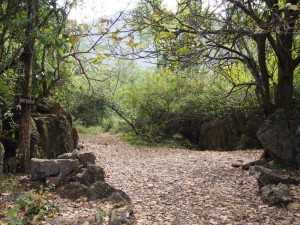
248,142
67,168
74,191
236,164
48,106
87,157
10,164
52,131
68,155
42,168
267,176
236,131
119,196
83,157
56,134
53,181
121,216
276,194
86,221
218,135
279,138
252,170
246,164
101,190
90,175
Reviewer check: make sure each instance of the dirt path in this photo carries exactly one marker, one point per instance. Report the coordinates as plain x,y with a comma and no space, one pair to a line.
182,187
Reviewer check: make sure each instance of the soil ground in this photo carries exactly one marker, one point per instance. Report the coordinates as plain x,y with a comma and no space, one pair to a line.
183,187
172,186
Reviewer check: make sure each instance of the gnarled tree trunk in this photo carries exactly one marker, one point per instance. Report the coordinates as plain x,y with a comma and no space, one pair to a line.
27,57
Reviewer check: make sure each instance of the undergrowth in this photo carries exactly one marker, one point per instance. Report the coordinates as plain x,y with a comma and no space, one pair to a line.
23,205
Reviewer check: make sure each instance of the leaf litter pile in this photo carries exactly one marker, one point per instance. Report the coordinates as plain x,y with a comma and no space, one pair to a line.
180,187
171,186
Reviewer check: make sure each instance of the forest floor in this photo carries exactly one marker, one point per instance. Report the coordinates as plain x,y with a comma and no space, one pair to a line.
172,186
183,187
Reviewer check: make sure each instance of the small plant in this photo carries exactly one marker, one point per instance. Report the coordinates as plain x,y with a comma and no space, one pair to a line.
13,126
9,184
101,216
31,205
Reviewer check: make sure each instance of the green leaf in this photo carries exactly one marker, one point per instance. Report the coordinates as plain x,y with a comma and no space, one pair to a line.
141,45
294,7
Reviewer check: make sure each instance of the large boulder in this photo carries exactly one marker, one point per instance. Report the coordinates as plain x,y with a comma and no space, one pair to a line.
218,135
236,131
48,106
280,138
52,133
56,134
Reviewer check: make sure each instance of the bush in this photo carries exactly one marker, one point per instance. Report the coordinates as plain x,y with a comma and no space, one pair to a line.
166,103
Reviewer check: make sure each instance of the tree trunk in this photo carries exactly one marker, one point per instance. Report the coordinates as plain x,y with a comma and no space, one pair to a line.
24,136
285,87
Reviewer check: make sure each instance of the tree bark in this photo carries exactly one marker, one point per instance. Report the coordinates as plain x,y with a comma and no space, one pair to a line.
285,87
24,136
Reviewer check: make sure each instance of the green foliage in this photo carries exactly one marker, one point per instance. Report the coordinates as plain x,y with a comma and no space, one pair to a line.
52,45
31,205
88,130
102,215
9,183
220,34
161,104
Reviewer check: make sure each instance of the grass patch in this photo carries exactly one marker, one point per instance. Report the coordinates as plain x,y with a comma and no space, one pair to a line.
88,130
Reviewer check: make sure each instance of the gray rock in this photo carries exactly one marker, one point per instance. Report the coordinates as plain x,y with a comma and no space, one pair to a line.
52,131
67,155
74,190
279,138
248,142
248,163
267,176
121,216
87,157
53,181
252,170
102,190
63,168
276,194
10,164
67,168
83,157
90,175
42,168
56,134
